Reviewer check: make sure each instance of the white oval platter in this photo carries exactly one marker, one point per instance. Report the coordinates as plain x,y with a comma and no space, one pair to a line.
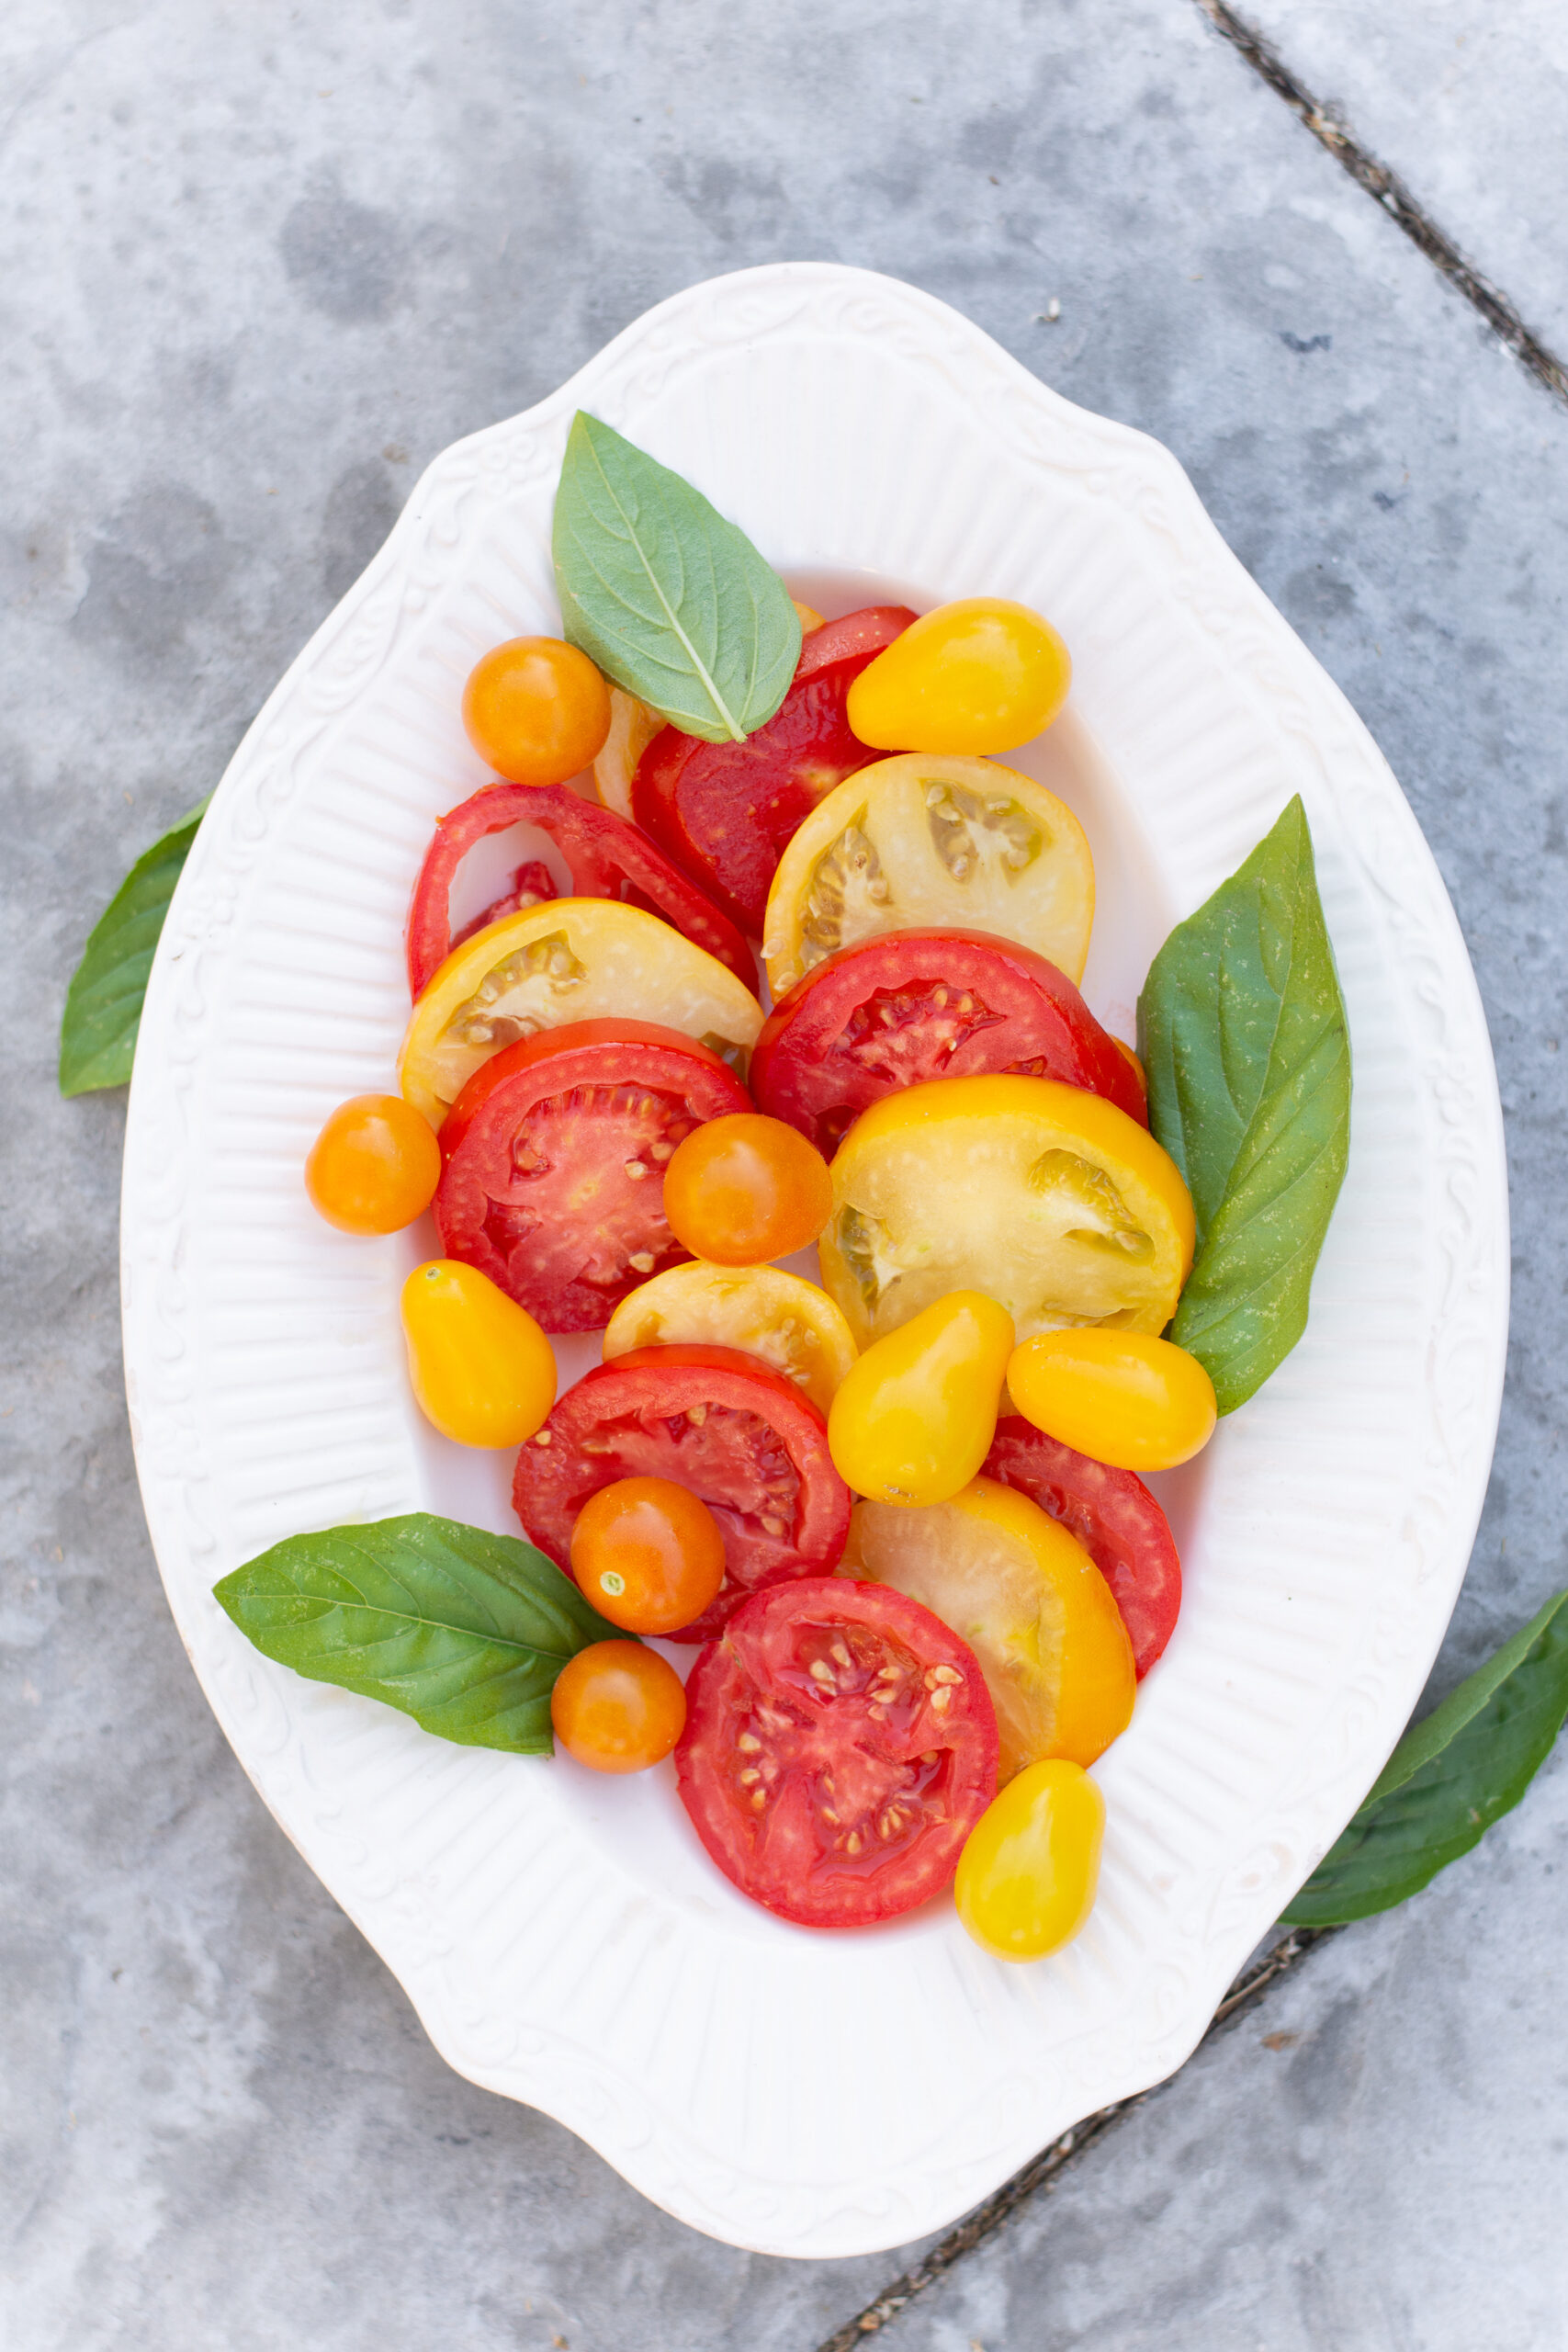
564,1939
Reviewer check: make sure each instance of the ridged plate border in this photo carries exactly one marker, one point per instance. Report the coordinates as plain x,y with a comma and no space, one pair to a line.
810,2095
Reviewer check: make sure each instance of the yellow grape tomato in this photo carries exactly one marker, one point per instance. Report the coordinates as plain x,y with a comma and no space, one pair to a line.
1123,1397
975,676
914,1417
1030,1868
482,1370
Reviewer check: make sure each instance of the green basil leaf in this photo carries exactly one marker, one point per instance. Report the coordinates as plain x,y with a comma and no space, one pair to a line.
1448,1780
669,599
1243,1032
103,1004
464,1631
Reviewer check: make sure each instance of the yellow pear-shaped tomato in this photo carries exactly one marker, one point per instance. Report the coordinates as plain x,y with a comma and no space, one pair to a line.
1125,1398
978,675
914,1418
480,1366
1030,1603
1030,1867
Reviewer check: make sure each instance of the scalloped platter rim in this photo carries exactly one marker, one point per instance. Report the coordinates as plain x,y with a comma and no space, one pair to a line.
565,1943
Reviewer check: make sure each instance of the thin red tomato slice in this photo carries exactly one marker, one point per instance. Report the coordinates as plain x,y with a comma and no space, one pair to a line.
914,1005
554,1153
721,1424
726,811
1115,1518
607,859
840,1746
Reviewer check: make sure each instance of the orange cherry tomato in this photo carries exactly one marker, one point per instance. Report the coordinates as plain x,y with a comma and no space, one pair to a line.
375,1165
617,1707
743,1190
536,709
648,1554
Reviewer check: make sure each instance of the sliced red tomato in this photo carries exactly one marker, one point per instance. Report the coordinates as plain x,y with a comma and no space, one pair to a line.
1114,1516
724,811
553,1155
734,1434
840,1746
607,857
912,1005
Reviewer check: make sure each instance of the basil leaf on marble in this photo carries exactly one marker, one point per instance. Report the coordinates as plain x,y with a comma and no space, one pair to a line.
1448,1780
673,602
464,1631
103,1004
1243,1032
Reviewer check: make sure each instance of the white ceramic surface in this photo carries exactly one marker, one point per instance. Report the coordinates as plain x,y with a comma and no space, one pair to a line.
564,1939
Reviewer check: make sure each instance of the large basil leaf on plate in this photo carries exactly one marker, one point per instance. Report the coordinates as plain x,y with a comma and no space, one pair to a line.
669,599
1243,1032
103,1004
1448,1780
464,1631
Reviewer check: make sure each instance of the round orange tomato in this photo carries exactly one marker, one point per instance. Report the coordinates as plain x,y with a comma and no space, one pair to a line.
743,1190
536,709
617,1707
374,1167
648,1554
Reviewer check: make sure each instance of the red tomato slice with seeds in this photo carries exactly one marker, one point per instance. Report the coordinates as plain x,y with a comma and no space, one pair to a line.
913,1005
726,811
840,1746
607,859
721,1424
1115,1518
552,1155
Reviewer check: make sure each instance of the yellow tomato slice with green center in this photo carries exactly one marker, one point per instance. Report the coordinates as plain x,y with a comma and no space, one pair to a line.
1049,1199
1030,1869
916,1416
977,676
570,959
788,1324
1030,1603
1123,1397
932,840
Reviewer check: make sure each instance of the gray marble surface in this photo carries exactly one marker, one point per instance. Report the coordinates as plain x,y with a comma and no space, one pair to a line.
256,265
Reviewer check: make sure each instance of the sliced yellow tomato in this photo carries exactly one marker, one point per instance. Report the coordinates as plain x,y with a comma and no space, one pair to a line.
1030,1603
633,726
790,1324
931,838
807,615
570,959
1049,1199
1030,1869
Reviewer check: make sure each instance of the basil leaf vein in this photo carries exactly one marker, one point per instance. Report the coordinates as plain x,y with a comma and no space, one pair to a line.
1244,1034
673,602
462,1630
103,1003
1448,1780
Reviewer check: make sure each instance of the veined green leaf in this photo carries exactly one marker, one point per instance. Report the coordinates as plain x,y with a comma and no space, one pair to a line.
1448,1780
103,1004
1243,1032
673,602
464,1631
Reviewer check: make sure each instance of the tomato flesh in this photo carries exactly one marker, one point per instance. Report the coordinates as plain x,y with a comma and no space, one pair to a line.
607,859
912,1005
719,1423
840,1746
553,1161
724,811
1115,1518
